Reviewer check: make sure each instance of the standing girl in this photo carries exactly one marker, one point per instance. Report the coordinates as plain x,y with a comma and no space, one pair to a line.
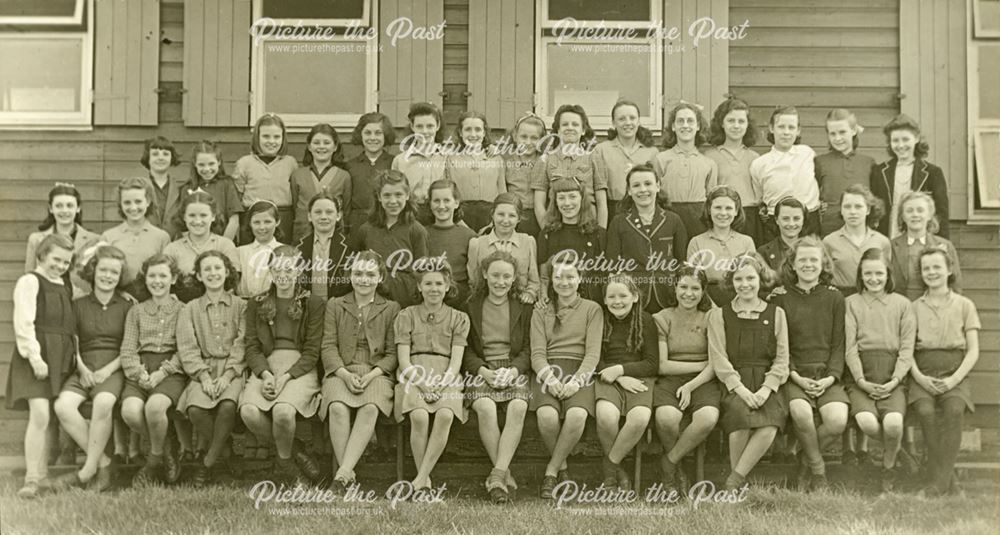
284,329
571,229
947,349
860,211
685,174
731,134
815,314
100,323
629,144
430,341
907,170
199,213
686,382
786,171
789,215
373,134
916,216
265,173
842,167
450,241
476,168
421,160
323,169
504,237
208,175
325,248
154,379
565,348
44,330
748,350
158,156
498,360
210,346
359,360
135,236
64,218
880,331
392,231
717,248
628,364
571,158
255,256
649,237
520,165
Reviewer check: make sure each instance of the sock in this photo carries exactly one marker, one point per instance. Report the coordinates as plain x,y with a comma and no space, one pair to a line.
817,468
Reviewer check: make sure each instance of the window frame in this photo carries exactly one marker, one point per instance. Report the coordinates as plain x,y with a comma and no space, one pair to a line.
988,212
75,120
600,122
71,20
302,122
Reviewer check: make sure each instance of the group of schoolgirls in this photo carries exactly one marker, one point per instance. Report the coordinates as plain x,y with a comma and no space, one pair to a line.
306,332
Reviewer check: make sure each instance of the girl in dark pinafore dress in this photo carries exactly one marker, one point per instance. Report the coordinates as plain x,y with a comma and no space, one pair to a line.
748,349
44,327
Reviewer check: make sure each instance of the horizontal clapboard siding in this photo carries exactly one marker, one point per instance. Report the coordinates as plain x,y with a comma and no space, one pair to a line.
817,55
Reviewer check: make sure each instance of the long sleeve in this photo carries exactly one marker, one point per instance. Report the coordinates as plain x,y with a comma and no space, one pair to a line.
256,360
835,364
778,374
418,240
939,192
522,361
472,360
29,255
613,246
956,267
472,262
390,361
650,363
330,352
852,357
534,281
237,348
313,338
712,180
907,341
717,355
25,308
592,347
188,349
680,242
539,343
129,352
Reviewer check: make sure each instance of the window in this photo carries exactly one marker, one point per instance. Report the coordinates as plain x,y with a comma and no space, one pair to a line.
984,111
311,62
46,52
593,53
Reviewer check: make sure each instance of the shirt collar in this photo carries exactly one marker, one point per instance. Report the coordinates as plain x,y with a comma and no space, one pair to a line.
226,299
911,240
115,299
925,300
881,297
795,288
257,246
432,317
575,303
685,151
739,307
150,307
492,238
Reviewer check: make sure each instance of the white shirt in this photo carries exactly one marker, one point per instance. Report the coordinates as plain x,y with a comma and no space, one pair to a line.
778,174
901,186
256,277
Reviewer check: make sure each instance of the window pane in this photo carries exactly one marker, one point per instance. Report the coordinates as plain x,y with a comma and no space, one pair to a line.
314,77
40,74
989,81
599,9
596,76
37,8
313,9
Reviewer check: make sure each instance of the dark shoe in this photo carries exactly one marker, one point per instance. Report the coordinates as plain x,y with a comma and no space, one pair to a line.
734,482
907,463
337,487
887,480
202,475
171,466
682,480
499,495
137,460
624,482
563,475
67,481
147,475
609,482
818,482
863,458
548,484
308,465
104,478
802,472
849,458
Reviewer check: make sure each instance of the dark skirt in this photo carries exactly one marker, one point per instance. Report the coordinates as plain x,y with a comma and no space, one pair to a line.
665,392
584,398
58,351
737,415
941,363
878,367
171,386
622,399
519,390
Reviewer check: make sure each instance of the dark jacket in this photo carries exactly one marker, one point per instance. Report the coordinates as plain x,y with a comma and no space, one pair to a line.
901,262
520,330
344,324
338,281
668,239
927,177
259,334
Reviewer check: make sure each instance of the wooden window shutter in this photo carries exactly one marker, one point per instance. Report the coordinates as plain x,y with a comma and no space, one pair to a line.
698,75
126,61
217,62
413,69
501,59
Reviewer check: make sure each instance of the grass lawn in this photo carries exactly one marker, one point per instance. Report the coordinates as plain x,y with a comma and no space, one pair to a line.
228,509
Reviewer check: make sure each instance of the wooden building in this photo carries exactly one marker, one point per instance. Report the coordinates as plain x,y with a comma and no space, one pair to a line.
126,70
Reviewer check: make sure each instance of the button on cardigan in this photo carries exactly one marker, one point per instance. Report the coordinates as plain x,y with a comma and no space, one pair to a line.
345,322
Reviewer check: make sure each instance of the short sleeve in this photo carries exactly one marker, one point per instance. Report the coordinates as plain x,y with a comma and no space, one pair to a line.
403,326
460,329
970,316
662,322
